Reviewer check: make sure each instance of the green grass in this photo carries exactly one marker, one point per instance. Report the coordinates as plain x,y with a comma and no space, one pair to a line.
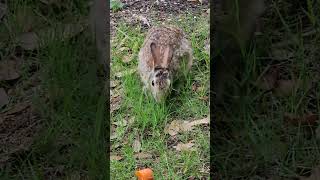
252,139
70,98
151,118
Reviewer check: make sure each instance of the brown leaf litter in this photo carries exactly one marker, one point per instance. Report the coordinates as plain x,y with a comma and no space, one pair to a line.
115,158
143,155
185,147
271,80
18,127
178,126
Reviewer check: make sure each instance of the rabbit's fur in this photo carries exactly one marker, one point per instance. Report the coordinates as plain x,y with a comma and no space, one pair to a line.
160,59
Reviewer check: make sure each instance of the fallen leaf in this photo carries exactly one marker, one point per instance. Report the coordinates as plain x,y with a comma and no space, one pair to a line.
4,98
315,174
143,155
177,126
126,59
125,73
204,98
122,49
144,20
122,123
269,79
29,41
131,120
115,158
136,145
113,84
285,87
185,147
309,119
282,53
173,128
195,86
9,69
115,103
188,126
114,134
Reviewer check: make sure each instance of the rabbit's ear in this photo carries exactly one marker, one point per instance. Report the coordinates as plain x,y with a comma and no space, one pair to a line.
167,56
155,51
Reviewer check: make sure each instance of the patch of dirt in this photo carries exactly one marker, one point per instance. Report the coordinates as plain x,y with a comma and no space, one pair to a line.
19,122
159,10
18,127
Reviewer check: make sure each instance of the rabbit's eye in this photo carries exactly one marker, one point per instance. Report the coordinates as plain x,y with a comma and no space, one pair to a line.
152,83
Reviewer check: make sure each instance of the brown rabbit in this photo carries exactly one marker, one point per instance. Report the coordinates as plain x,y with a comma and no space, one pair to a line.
161,58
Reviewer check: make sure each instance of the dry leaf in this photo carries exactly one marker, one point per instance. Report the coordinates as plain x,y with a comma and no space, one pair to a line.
315,174
269,79
122,123
113,84
282,54
143,19
285,87
125,73
122,49
114,134
173,128
309,119
115,103
126,59
9,69
177,126
4,98
195,86
188,126
115,158
185,147
136,146
204,98
131,121
143,156
29,41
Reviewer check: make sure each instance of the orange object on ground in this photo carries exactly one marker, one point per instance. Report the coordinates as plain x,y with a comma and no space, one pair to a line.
145,174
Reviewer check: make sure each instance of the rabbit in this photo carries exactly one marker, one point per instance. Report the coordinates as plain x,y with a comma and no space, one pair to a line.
161,58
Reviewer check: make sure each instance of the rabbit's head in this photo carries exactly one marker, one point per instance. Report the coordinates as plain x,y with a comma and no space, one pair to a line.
160,79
